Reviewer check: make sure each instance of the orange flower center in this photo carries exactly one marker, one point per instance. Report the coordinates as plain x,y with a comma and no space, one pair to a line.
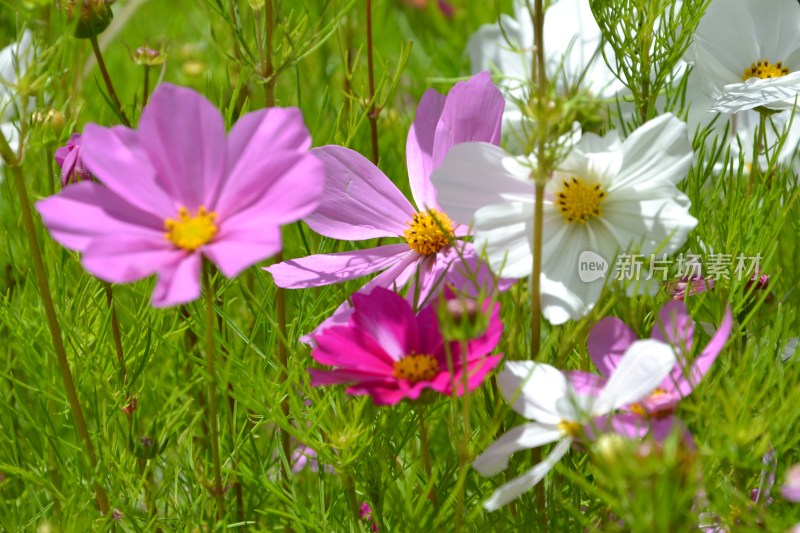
578,201
416,368
429,231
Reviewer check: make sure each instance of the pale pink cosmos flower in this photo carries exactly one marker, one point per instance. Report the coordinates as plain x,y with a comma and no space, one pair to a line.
610,339
177,190
360,202
391,353
791,487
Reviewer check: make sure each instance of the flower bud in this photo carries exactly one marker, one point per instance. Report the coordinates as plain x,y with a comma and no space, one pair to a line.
69,159
148,57
93,16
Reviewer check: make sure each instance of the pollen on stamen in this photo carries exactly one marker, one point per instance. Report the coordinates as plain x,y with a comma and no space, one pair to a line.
425,233
191,232
763,69
579,201
416,367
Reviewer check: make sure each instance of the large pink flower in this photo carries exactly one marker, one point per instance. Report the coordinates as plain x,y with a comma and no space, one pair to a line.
360,202
390,353
177,190
608,341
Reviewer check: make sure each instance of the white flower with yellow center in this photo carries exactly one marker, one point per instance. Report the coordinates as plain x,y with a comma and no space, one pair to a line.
14,60
542,393
606,197
748,54
571,41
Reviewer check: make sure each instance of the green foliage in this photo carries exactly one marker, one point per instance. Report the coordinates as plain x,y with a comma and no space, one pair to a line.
150,430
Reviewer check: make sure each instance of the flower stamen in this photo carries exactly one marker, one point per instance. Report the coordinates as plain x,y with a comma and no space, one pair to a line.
424,234
764,69
416,367
579,201
191,232
569,428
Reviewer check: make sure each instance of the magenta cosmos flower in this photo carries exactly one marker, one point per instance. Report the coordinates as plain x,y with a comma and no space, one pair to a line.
71,163
392,354
360,202
177,190
609,340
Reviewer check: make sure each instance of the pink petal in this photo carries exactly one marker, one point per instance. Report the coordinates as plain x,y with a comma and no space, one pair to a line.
473,112
419,148
477,370
275,197
703,363
238,252
263,149
351,348
178,283
607,342
675,327
388,319
124,259
339,376
184,137
359,201
586,383
430,336
86,211
116,158
325,269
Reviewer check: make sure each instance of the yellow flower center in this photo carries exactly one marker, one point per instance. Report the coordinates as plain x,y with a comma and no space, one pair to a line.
578,202
639,409
429,232
191,232
416,368
764,69
569,428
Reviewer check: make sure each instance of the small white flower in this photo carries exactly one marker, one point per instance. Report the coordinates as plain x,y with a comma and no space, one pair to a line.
571,36
606,197
14,61
748,54
542,393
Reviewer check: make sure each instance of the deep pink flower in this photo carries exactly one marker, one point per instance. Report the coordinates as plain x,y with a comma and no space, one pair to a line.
366,515
392,354
177,190
608,341
360,203
69,159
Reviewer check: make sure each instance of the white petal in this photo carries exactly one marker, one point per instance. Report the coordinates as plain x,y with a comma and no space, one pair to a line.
474,175
526,436
642,368
504,232
773,93
533,389
11,134
513,489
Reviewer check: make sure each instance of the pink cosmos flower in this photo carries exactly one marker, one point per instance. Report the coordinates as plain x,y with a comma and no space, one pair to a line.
177,190
609,340
791,488
360,203
366,515
687,286
392,354
71,163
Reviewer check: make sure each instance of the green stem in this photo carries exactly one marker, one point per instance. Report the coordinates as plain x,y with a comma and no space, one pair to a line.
52,320
219,495
283,377
269,69
536,274
372,114
115,331
423,442
146,90
101,64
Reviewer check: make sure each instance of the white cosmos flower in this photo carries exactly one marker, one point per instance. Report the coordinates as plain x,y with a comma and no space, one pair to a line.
14,61
571,36
542,393
748,54
606,197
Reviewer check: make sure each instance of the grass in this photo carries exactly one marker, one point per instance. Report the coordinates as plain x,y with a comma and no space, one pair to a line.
154,462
